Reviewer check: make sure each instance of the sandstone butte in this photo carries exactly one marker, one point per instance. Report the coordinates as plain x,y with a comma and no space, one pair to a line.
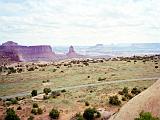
26,53
71,52
14,52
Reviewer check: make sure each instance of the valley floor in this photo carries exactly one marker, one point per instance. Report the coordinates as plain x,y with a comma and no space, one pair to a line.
83,82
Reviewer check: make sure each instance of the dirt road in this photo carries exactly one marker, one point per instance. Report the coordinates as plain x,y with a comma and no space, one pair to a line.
81,86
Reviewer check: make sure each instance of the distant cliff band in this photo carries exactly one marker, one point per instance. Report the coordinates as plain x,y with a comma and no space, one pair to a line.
15,52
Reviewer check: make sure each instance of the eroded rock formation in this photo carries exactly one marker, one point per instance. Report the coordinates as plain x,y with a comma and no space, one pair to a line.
71,52
14,52
26,53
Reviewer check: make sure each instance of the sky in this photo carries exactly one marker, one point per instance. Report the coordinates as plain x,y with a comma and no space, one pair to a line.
79,22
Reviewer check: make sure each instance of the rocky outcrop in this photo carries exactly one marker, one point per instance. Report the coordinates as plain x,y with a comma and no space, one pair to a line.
26,53
147,101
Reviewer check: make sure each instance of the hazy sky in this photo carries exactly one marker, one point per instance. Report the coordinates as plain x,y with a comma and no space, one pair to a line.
79,22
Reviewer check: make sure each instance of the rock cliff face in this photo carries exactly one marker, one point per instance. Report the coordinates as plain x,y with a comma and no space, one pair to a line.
8,57
34,53
14,52
27,53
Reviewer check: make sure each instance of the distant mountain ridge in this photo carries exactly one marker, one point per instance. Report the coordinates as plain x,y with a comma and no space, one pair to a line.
127,49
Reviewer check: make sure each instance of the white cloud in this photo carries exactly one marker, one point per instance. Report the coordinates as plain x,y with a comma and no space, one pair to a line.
79,21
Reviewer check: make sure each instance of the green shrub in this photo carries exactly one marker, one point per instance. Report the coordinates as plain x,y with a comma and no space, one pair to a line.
54,114
101,79
146,116
135,91
63,90
10,101
19,70
31,69
86,103
31,118
35,105
1,69
135,61
55,94
34,111
12,70
144,61
86,64
17,98
78,116
34,93
98,115
46,90
11,115
14,101
113,100
54,70
39,111
45,97
9,72
125,90
91,114
48,80
121,93
36,67
44,81
124,98
19,108
128,96
156,67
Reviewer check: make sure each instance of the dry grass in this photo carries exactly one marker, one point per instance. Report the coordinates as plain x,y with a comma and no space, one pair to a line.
73,100
64,76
